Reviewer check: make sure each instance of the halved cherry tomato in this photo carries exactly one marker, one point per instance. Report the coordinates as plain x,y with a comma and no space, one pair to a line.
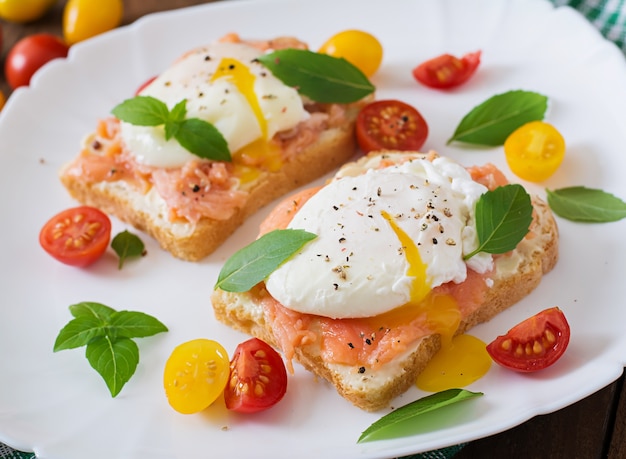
77,236
361,49
258,378
29,54
390,125
534,151
195,375
447,71
534,344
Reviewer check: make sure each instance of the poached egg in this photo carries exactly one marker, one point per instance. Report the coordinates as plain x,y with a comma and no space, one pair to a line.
386,238
224,85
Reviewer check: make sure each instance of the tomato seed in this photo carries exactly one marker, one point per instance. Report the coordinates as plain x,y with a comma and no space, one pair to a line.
259,389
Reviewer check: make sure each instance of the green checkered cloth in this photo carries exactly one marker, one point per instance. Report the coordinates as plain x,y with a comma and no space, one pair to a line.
609,17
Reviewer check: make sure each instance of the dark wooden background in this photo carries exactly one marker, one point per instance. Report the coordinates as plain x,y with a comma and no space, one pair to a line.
592,428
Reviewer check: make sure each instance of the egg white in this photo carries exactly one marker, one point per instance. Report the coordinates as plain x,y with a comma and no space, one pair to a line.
357,266
219,102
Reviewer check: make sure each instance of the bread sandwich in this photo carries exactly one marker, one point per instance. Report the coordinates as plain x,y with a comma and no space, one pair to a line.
361,304
278,140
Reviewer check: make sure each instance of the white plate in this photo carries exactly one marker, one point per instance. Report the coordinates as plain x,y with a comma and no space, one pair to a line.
56,405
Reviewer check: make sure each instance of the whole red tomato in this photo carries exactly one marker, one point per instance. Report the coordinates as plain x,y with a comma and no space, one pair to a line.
29,54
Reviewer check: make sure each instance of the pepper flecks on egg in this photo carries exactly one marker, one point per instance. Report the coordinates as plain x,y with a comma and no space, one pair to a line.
396,255
223,88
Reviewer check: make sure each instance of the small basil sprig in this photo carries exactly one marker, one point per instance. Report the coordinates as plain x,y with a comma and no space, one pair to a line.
126,245
394,424
108,334
503,216
589,205
195,135
491,122
254,262
320,77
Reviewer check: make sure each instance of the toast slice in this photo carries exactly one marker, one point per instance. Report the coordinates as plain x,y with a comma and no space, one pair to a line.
317,145
514,276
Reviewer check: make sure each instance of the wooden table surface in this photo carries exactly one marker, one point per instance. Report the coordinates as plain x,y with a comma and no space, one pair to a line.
592,428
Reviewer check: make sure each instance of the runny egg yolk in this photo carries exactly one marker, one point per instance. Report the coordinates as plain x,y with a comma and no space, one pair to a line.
261,152
457,364
462,359
417,268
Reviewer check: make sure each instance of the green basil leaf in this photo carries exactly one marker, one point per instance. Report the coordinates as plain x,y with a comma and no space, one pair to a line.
390,425
179,111
589,205
132,324
91,309
253,263
116,361
202,139
503,217
142,111
195,135
320,77
126,245
79,332
107,334
491,122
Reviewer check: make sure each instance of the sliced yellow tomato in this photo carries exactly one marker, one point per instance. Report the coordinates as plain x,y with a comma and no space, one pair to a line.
195,375
23,11
84,19
534,151
361,49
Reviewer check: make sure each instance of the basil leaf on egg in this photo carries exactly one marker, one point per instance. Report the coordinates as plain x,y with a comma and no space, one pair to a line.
254,262
589,205
503,217
202,139
197,136
320,77
491,122
401,421
142,111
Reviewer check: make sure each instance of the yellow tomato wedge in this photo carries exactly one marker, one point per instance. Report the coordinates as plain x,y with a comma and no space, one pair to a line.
195,375
534,151
361,49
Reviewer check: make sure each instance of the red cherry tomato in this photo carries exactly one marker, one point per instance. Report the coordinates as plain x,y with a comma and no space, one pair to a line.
390,125
533,344
258,378
447,71
77,236
29,54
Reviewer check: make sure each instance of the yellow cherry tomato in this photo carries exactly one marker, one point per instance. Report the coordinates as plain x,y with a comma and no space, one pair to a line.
534,151
84,19
23,11
2,100
195,375
361,49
